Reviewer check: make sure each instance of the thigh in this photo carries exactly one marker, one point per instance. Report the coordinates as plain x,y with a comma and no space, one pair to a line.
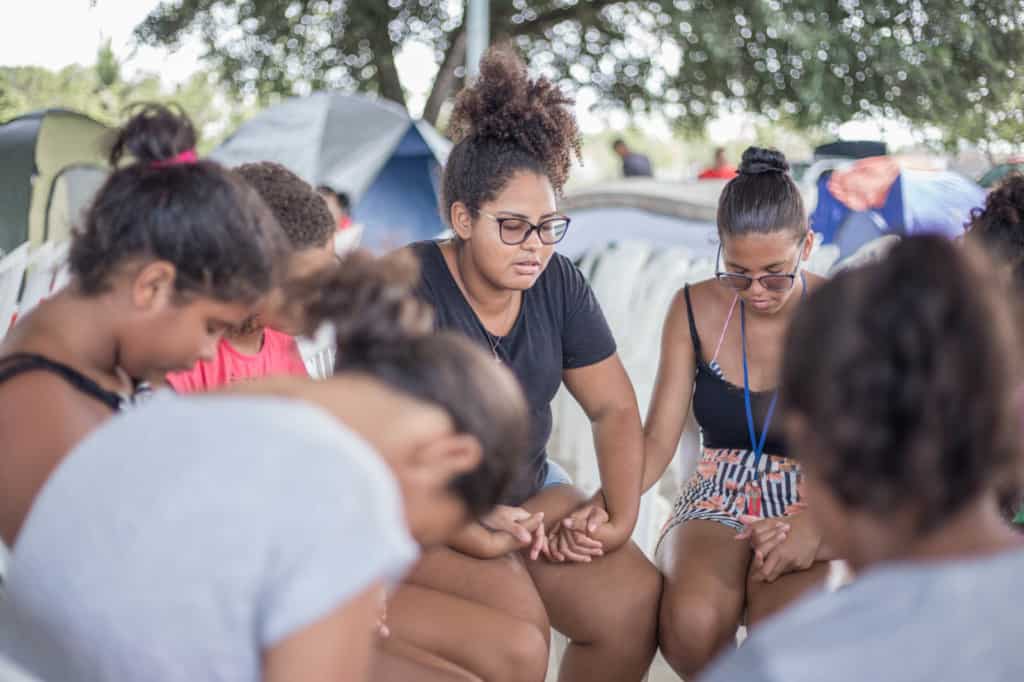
620,590
767,599
472,636
705,564
396,660
503,584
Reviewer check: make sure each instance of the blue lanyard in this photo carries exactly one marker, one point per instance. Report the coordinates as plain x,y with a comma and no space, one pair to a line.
758,445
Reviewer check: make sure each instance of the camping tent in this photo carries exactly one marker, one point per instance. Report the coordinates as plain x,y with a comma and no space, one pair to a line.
51,164
388,163
882,195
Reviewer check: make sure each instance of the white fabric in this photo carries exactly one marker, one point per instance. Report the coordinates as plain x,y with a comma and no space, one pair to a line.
12,269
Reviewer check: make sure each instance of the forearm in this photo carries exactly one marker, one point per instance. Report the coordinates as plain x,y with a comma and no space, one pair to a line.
619,442
657,458
474,540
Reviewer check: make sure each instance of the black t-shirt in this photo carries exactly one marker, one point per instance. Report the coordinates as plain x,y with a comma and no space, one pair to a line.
560,326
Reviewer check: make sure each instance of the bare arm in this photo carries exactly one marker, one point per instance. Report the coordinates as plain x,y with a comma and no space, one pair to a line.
336,647
673,391
606,395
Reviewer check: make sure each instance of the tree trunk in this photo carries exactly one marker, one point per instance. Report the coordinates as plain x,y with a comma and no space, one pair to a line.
390,87
445,82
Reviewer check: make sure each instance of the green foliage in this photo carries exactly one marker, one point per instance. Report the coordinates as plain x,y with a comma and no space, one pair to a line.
102,92
954,64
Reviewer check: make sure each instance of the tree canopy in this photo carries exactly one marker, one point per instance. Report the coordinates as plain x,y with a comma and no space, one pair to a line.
102,92
953,64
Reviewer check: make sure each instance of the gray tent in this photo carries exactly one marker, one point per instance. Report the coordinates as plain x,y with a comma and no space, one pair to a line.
370,149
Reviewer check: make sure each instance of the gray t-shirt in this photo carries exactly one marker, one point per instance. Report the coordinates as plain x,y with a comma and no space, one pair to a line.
952,620
181,540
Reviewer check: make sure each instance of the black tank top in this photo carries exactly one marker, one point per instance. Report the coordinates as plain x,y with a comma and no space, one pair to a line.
20,363
719,408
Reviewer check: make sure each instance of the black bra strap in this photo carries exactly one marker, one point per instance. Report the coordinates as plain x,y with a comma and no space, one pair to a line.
20,363
693,325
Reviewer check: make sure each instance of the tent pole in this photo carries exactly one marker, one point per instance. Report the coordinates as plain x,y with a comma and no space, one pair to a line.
477,34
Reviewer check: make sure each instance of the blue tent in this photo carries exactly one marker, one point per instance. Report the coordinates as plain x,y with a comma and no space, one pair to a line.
372,150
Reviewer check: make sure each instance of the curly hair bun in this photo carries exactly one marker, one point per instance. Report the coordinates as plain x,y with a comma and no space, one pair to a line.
506,106
154,133
758,160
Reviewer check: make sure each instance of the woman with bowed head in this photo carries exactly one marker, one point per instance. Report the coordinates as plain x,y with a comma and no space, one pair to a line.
173,252
738,545
546,557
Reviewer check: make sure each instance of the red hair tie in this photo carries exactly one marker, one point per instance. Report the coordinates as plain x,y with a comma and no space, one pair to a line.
185,157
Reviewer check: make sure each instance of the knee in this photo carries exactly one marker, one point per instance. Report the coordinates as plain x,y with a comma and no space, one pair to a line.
521,656
628,622
691,632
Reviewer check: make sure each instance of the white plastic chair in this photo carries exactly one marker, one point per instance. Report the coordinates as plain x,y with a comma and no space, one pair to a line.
12,269
318,352
871,252
61,267
39,277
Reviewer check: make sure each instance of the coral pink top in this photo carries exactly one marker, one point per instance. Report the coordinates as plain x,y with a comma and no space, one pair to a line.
279,355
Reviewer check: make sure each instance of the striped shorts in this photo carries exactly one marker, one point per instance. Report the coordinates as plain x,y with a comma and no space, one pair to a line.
727,485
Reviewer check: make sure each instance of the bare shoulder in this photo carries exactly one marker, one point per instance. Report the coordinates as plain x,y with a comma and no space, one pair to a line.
41,405
709,301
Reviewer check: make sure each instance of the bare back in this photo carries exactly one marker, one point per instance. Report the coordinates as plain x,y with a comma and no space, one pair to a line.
48,403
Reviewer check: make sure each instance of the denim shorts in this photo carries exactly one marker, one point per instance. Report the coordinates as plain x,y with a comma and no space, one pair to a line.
556,475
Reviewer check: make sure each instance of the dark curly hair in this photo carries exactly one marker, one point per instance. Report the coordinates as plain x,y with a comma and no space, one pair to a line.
999,227
504,123
216,231
762,198
911,405
384,330
299,209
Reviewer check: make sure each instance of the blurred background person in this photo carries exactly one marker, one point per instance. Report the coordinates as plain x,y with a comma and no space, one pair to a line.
721,170
634,164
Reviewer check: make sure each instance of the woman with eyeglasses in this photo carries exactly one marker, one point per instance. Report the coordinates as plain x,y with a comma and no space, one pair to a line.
736,541
548,556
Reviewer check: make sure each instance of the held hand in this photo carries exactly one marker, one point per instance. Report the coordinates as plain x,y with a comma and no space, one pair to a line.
513,529
587,519
795,553
764,534
566,544
511,520
582,535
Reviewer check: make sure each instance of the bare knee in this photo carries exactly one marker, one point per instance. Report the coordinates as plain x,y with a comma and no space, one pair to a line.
521,655
625,623
692,631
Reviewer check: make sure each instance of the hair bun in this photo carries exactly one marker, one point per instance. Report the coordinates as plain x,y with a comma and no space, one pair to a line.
506,108
154,133
758,160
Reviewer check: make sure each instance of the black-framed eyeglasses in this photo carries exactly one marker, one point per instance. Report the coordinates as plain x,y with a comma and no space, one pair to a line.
772,282
515,231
